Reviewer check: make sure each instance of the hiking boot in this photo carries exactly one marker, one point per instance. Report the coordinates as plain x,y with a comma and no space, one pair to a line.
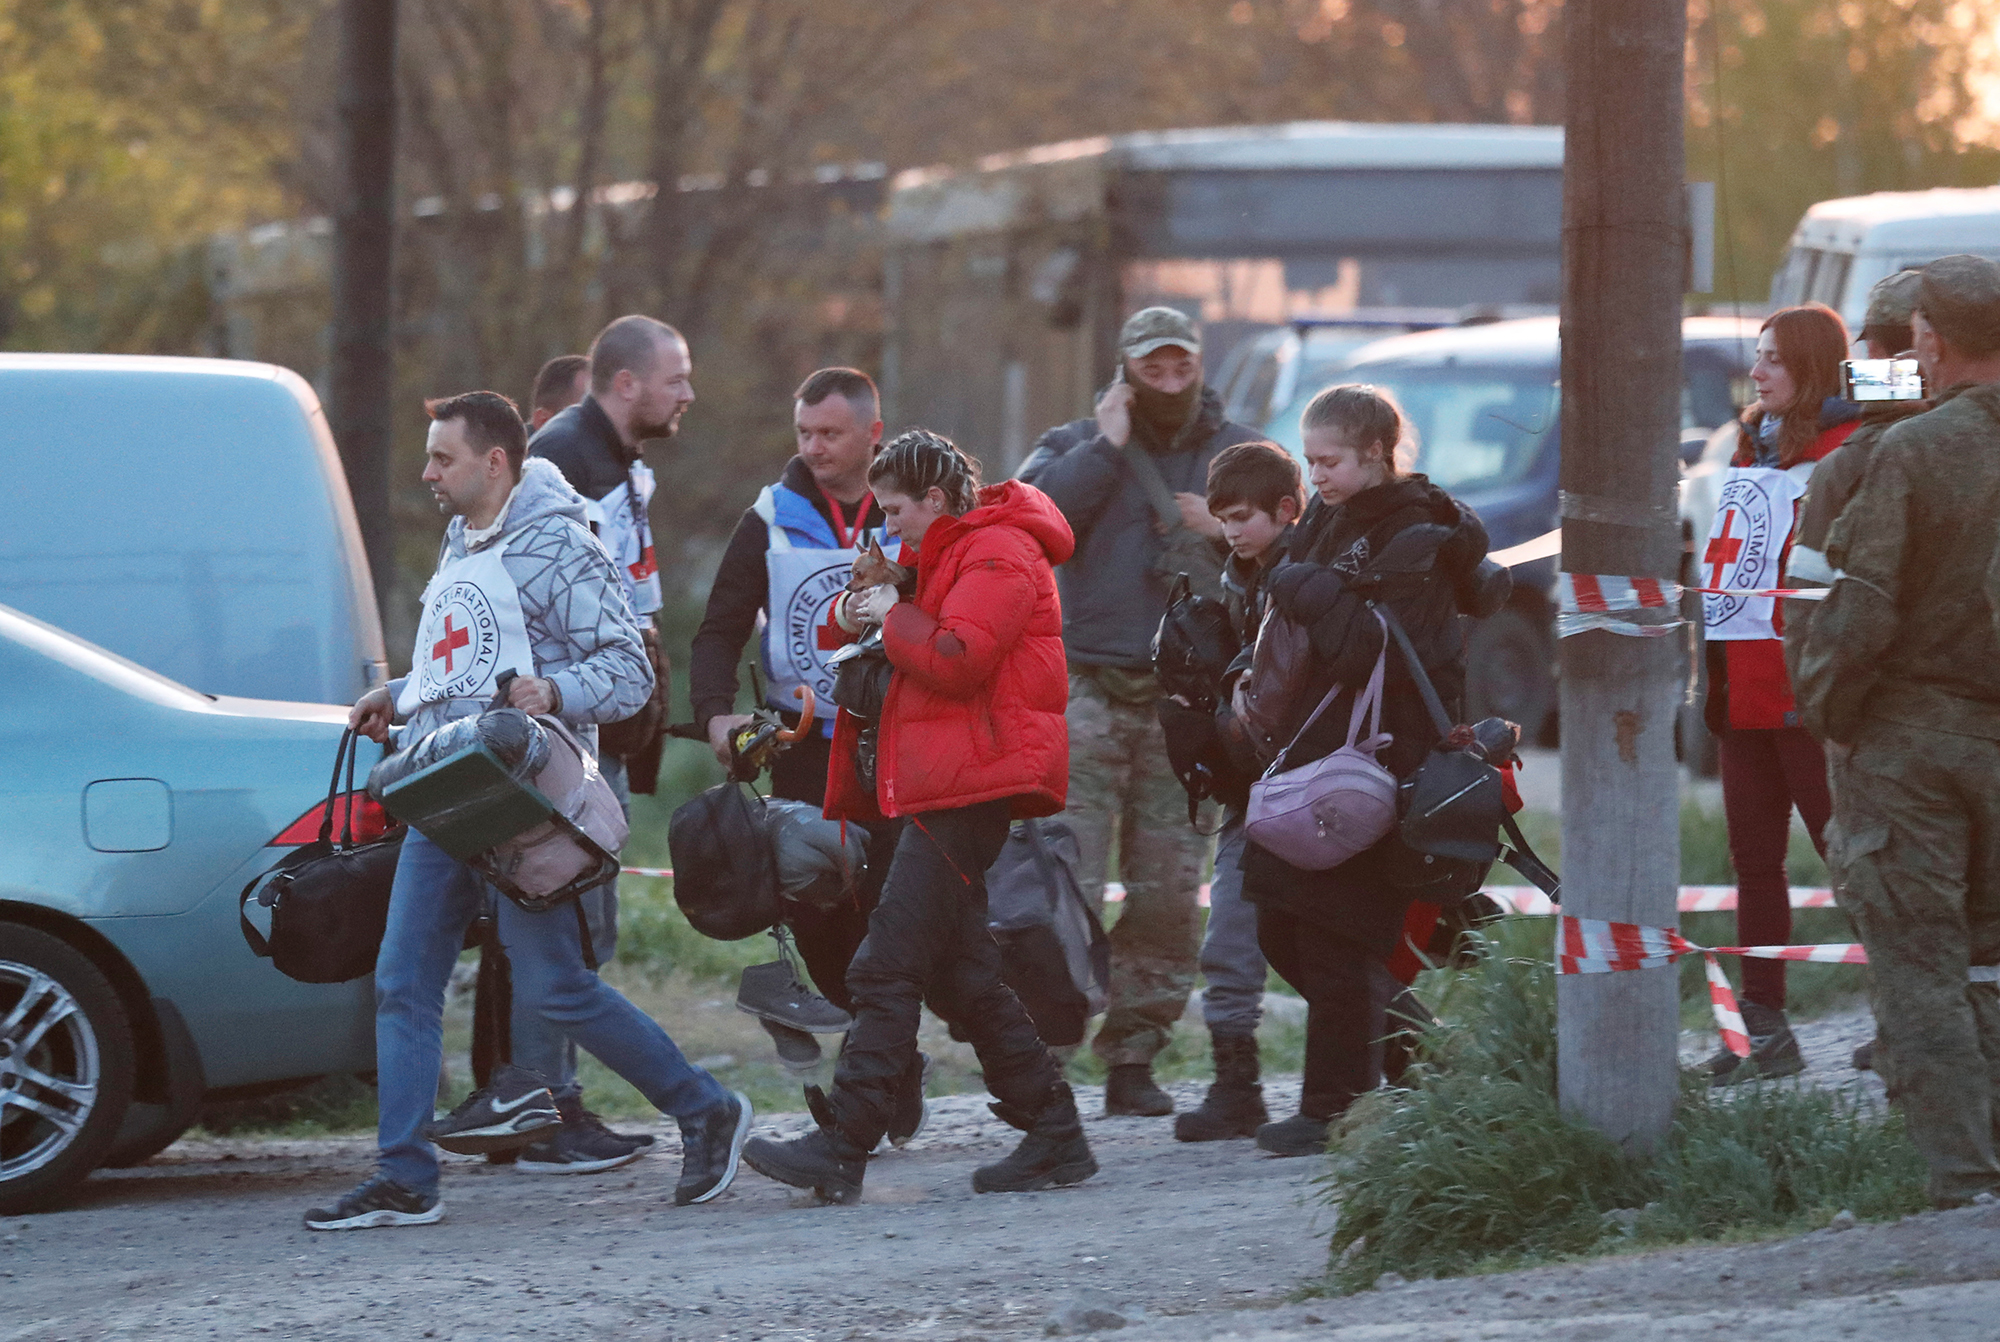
913,1109
1053,1154
379,1202
582,1145
777,994
1234,1105
1129,1092
1774,1051
1299,1135
1864,1056
511,1110
711,1146
822,1160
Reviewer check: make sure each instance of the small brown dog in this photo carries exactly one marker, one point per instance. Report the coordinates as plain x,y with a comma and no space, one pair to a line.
873,568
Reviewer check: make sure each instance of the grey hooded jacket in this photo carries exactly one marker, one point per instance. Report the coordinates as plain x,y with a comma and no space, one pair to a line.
573,603
1112,595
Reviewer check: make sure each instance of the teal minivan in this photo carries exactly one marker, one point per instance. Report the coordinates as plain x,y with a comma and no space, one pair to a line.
185,612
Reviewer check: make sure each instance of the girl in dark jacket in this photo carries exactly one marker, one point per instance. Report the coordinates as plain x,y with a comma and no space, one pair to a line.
1379,536
1770,763
970,734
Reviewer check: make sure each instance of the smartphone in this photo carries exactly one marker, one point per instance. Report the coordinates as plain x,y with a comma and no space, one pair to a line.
1881,380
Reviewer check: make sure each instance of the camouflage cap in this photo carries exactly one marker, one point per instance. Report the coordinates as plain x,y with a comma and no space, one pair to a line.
1960,298
1892,299
1154,328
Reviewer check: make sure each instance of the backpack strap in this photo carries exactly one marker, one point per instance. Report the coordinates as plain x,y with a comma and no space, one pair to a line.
1166,508
1439,718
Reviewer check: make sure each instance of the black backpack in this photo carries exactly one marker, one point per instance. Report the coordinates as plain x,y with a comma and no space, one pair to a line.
1194,645
725,868
1053,951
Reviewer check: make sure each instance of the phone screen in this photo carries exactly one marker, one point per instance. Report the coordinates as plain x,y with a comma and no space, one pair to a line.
1882,380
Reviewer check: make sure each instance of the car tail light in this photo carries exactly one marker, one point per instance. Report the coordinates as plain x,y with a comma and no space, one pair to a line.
370,821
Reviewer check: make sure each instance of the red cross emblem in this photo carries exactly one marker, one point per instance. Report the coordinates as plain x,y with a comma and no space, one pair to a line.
1722,549
453,640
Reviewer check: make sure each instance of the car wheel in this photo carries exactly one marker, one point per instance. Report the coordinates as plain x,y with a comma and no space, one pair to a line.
1509,673
65,1068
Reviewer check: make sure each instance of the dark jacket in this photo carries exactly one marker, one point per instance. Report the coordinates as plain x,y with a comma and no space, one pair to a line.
974,711
1112,595
742,586
1328,593
584,446
1909,633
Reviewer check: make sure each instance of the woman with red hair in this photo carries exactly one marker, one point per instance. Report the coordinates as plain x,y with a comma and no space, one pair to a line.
1770,764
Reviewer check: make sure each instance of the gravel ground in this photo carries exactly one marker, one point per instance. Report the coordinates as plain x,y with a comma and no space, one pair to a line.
1171,1242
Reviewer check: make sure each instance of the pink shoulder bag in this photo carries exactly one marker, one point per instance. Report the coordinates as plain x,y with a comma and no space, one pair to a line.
1318,815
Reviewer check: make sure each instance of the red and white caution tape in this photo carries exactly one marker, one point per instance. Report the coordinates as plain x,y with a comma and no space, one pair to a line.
1526,899
1597,946
1589,600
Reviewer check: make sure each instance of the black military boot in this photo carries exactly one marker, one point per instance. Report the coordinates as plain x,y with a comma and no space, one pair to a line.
1129,1092
822,1160
1234,1105
1053,1154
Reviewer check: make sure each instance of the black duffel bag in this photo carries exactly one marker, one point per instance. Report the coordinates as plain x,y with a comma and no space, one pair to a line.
725,867
1053,951
329,899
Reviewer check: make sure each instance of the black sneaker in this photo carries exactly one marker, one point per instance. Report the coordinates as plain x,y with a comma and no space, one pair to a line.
822,1160
798,1051
776,993
1774,1050
582,1145
913,1106
513,1109
1054,1154
1299,1135
711,1145
375,1204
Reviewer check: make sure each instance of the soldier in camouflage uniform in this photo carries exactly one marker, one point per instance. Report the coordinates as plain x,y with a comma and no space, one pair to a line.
1886,331
1130,481
1900,674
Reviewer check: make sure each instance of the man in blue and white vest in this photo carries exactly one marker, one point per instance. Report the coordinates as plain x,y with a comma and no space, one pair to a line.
521,586
791,554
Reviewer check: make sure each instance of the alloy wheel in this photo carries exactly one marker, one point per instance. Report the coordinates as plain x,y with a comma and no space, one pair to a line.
49,1069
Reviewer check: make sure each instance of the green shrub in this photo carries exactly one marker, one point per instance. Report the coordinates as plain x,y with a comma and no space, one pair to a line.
1475,1166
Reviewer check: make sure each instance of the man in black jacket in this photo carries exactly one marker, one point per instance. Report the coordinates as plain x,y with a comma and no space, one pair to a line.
1131,481
790,555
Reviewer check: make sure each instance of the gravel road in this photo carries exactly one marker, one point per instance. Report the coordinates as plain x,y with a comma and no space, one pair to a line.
1170,1242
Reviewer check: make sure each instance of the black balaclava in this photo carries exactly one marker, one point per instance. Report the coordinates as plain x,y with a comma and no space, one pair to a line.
1163,415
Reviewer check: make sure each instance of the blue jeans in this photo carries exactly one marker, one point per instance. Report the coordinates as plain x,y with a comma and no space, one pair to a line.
536,1045
1233,1001
434,900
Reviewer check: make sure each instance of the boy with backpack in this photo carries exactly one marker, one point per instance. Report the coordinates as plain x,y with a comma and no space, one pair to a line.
1256,491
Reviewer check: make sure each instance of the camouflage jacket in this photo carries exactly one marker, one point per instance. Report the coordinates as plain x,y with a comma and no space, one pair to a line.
1908,634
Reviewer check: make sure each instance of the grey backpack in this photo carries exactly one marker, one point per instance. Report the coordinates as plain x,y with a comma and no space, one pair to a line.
1053,951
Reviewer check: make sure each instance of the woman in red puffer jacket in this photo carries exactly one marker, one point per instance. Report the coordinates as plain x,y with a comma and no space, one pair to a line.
970,733
1770,764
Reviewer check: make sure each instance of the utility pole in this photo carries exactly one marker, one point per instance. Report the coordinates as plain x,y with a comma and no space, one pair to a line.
362,375
1624,235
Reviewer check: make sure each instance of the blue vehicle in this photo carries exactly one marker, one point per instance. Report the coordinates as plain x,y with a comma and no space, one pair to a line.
185,614
1484,404
133,810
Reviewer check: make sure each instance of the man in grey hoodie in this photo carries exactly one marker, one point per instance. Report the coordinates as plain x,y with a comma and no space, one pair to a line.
521,585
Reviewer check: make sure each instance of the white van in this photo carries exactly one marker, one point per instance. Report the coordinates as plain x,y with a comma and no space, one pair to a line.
1842,247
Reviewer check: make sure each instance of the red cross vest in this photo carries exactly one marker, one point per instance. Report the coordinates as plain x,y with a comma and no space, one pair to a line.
1746,548
619,518
472,630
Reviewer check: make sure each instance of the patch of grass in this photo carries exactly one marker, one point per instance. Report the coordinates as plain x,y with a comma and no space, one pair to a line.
341,1103
1476,1168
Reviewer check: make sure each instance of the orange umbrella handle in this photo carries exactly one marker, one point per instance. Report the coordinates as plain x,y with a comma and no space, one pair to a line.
788,735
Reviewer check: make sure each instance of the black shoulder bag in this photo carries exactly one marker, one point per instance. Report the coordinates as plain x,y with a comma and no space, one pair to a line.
1454,805
329,899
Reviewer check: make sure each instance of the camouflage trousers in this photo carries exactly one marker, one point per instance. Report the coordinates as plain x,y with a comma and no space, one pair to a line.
1916,862
1122,790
